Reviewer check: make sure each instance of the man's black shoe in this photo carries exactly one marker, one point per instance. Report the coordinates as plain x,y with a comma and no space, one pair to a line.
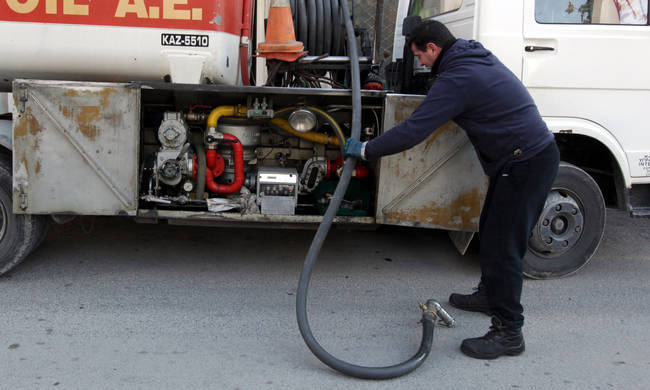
472,302
499,340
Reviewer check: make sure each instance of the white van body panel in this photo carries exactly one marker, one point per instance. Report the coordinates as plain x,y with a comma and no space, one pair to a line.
596,72
498,28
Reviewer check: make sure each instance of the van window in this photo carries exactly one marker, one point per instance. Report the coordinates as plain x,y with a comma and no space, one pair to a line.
633,12
430,8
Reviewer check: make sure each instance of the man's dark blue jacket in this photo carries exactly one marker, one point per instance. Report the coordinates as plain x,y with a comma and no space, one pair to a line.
482,96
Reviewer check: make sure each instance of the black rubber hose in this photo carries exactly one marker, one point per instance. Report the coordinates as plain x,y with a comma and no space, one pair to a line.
319,238
303,35
311,17
342,31
197,143
319,28
327,27
336,29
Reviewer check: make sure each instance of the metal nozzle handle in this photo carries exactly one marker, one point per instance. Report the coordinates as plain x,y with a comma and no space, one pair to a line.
441,313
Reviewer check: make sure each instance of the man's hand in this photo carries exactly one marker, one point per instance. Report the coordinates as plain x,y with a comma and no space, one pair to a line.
354,148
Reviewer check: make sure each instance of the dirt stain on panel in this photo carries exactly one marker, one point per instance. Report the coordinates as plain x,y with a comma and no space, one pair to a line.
460,214
449,127
404,109
105,94
72,93
25,163
87,120
27,123
65,111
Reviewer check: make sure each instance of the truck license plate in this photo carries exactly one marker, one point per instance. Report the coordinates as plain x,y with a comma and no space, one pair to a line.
185,40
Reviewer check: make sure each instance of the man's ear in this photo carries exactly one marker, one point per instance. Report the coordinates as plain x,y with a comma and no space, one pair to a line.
434,48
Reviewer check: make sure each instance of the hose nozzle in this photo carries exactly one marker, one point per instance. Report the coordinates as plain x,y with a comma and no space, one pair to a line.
434,307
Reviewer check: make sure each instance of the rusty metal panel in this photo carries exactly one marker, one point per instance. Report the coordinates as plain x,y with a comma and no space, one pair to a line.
437,184
75,147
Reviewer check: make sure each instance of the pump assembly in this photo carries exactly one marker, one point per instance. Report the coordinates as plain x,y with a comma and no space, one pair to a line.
253,160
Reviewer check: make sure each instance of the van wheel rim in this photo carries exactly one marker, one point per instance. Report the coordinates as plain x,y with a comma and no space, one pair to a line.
560,225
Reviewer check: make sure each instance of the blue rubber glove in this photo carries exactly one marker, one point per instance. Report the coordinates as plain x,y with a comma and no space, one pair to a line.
354,148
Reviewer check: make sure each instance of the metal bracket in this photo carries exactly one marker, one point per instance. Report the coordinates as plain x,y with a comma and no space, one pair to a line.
258,110
23,196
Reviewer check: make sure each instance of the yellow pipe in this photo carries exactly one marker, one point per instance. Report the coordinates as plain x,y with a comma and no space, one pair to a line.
282,123
309,136
220,111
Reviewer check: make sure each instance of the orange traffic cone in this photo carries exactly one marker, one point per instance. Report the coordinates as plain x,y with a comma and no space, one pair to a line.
281,41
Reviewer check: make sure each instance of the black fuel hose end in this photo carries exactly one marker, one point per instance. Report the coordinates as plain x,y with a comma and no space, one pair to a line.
428,321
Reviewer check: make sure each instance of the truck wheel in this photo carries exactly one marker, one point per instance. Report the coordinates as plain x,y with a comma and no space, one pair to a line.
19,234
570,227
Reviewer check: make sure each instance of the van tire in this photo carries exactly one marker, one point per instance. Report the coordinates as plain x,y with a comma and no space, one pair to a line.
20,234
570,227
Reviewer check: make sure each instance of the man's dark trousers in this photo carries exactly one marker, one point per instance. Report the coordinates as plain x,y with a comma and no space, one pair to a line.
513,203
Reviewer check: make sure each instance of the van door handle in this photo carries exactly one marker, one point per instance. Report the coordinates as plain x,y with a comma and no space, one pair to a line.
536,48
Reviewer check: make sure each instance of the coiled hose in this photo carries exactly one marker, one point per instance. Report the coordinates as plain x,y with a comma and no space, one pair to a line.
429,312
319,26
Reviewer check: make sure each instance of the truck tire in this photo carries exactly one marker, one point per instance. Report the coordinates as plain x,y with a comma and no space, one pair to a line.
570,227
20,235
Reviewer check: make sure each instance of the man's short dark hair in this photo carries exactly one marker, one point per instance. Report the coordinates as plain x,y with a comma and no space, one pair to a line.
430,31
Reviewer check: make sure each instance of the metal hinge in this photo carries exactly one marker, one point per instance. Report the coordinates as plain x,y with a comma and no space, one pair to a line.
22,97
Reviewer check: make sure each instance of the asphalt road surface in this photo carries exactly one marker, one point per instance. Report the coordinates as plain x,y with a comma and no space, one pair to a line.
128,306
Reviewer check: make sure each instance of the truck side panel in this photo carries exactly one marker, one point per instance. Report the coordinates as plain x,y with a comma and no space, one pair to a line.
75,148
437,184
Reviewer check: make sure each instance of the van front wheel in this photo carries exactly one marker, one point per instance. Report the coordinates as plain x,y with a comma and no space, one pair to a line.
570,227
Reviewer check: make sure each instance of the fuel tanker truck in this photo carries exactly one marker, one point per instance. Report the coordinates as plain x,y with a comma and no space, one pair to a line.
189,112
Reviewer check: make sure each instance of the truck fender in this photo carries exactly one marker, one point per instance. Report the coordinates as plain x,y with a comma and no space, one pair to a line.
594,130
6,134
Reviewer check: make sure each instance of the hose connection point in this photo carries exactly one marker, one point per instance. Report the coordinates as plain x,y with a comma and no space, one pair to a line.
212,137
427,310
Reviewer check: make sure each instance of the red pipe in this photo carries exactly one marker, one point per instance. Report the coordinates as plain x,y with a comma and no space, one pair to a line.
211,158
238,156
360,171
246,27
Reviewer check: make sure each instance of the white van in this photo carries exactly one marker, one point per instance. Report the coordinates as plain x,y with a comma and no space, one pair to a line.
583,63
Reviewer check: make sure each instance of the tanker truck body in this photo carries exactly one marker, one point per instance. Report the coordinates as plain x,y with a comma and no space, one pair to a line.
145,109
121,40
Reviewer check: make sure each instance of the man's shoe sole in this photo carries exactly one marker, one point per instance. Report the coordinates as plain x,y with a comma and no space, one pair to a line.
478,309
514,351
